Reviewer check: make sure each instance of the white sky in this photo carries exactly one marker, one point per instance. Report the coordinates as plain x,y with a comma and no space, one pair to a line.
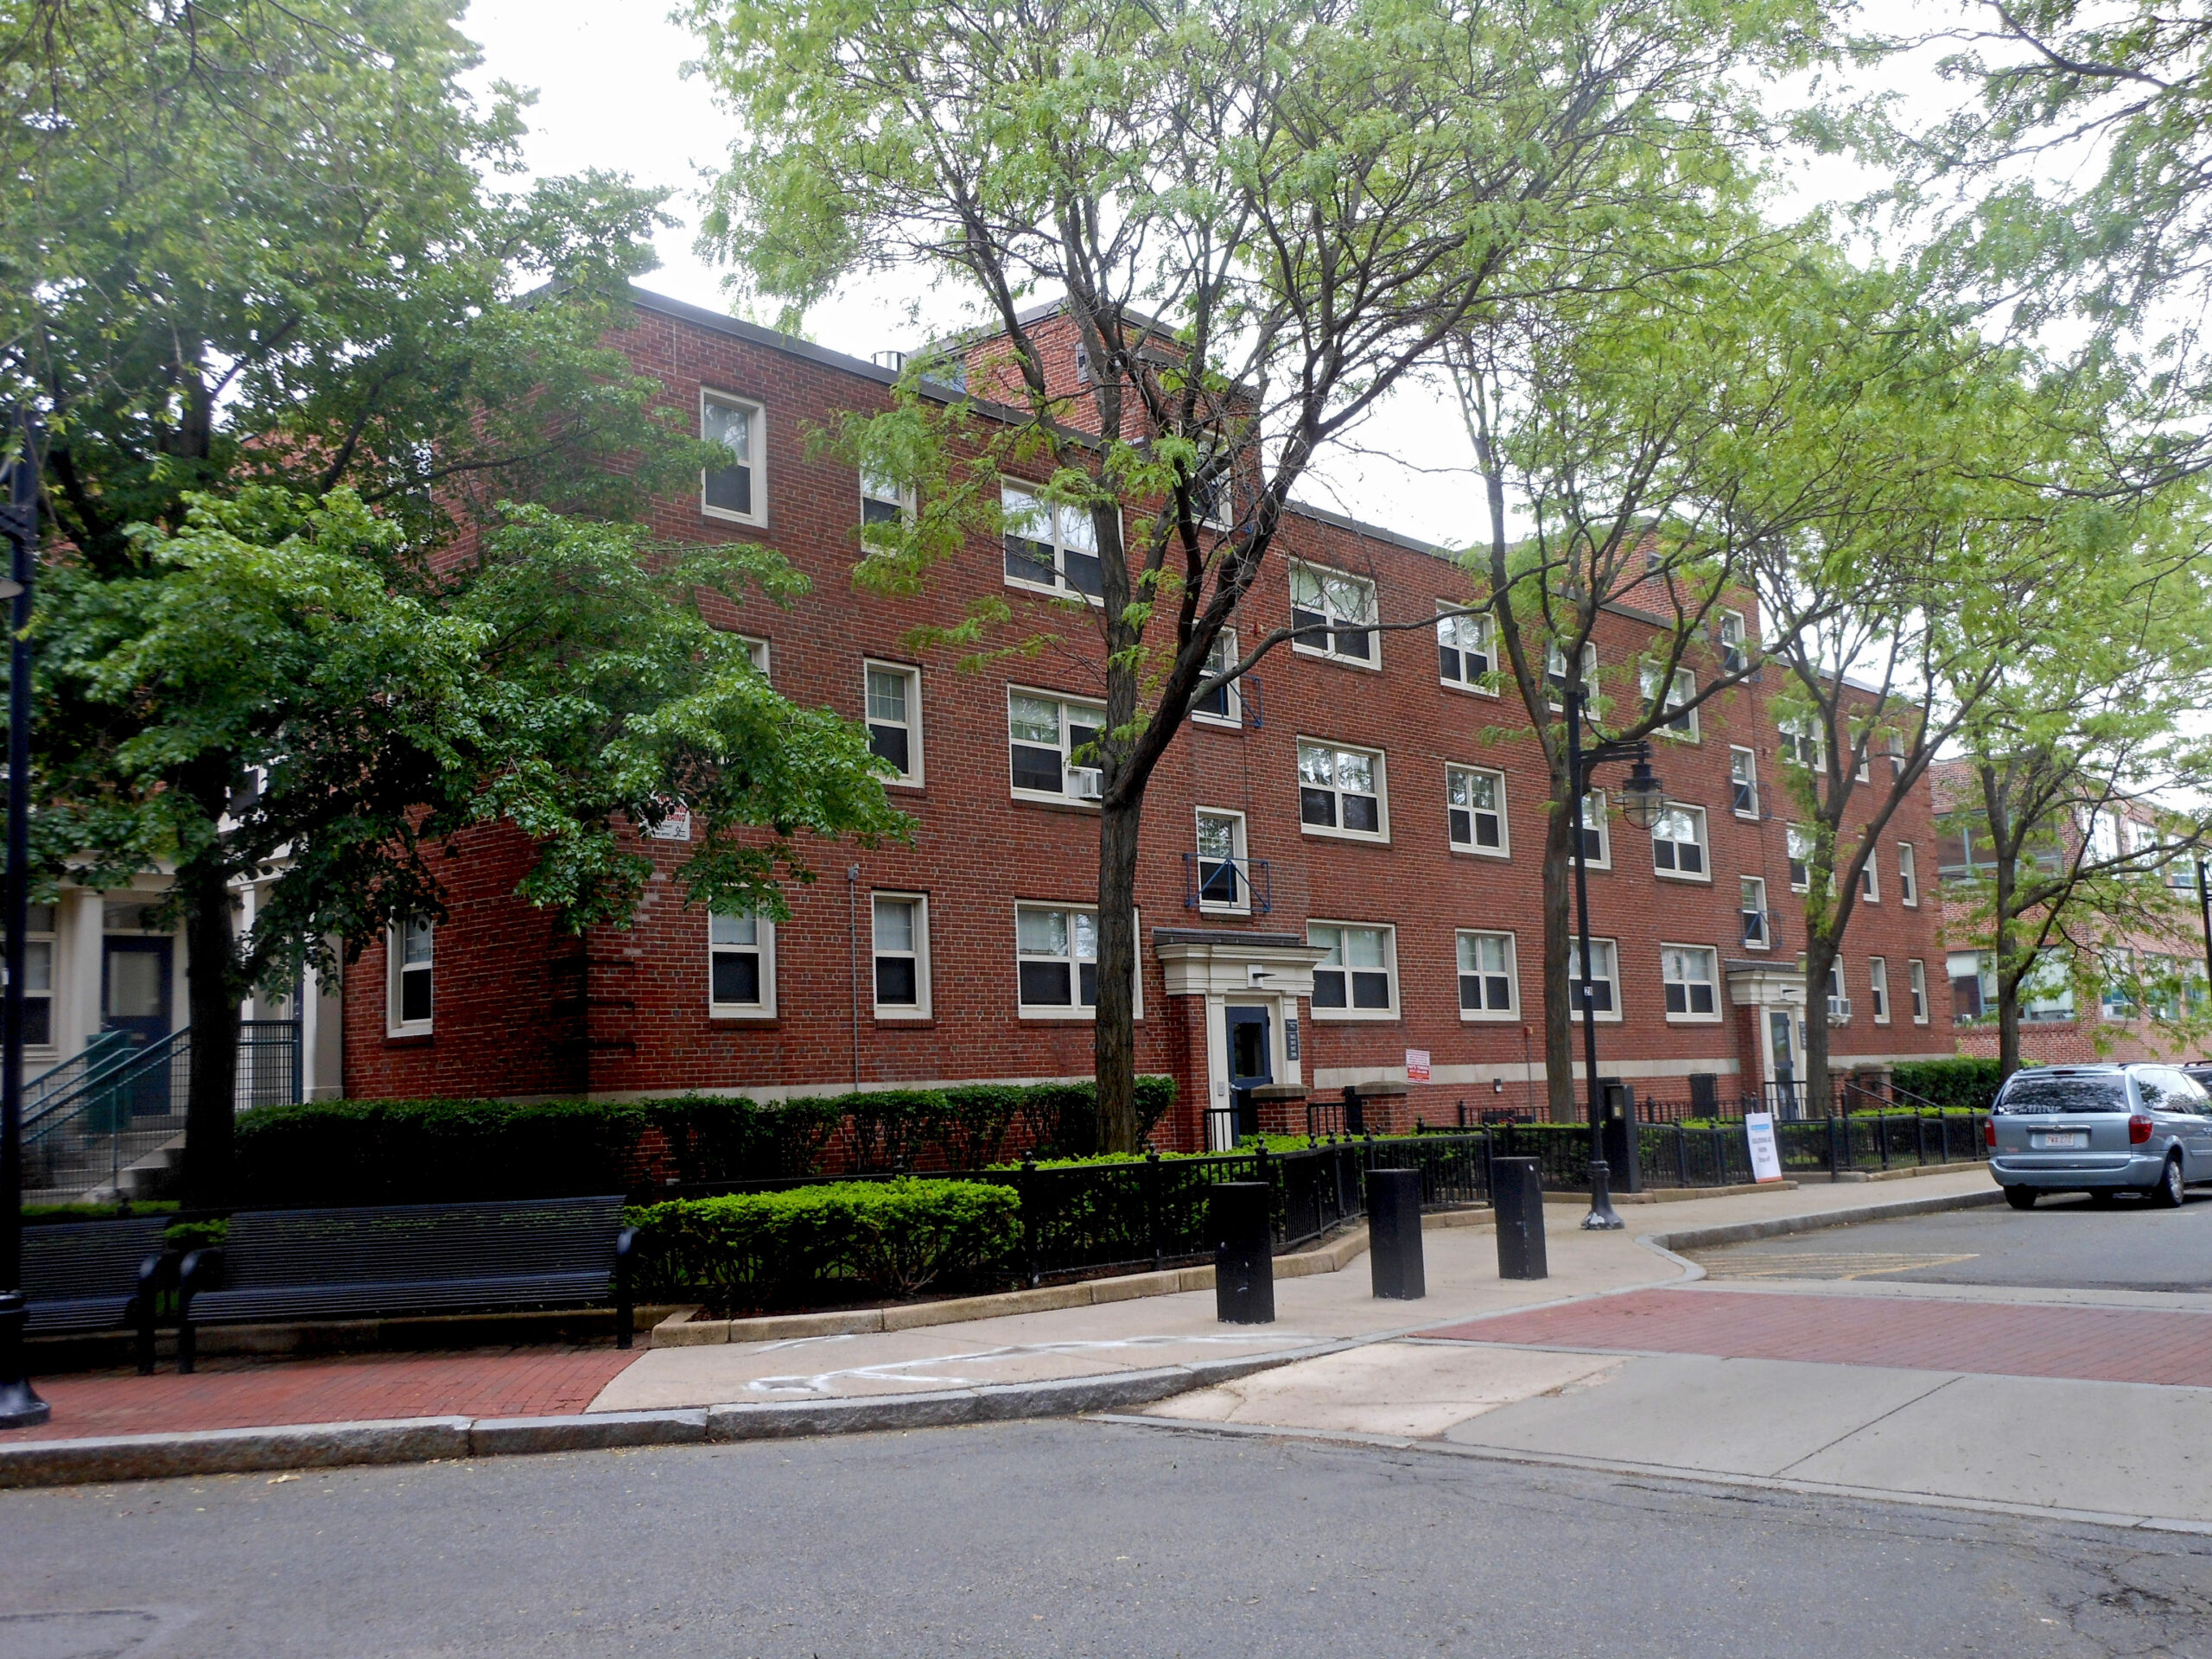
611,95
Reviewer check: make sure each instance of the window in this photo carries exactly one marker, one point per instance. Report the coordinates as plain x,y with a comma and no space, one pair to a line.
1877,989
1357,977
1734,640
741,965
894,718
1839,1004
1858,770
2117,999
1689,973
1340,791
1870,879
884,499
1604,982
1908,876
1757,933
1344,605
1678,842
1463,651
2103,836
1057,959
1224,882
1597,848
756,652
1800,742
1486,975
1474,807
38,976
2047,990
1224,704
1680,692
1045,734
1050,544
1915,981
1800,849
1896,754
1973,986
736,491
1555,674
902,955
411,948
1744,783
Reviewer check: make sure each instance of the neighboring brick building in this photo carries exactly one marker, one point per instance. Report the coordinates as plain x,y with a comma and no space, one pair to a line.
2057,1023
1383,837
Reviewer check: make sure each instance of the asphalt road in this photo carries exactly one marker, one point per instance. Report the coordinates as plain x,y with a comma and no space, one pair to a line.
1057,1538
2063,1243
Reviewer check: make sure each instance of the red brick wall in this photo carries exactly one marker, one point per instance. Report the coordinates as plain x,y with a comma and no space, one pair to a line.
522,1010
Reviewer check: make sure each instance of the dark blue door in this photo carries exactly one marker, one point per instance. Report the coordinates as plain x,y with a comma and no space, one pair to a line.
1251,1063
136,987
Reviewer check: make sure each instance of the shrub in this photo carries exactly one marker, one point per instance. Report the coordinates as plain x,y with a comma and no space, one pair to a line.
1964,1083
890,1124
753,1250
977,1117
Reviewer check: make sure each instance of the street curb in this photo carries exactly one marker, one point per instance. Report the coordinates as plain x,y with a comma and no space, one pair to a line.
1738,1232
423,1439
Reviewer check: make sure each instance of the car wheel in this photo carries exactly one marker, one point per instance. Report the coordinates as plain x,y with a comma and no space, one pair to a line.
2169,1193
2020,1197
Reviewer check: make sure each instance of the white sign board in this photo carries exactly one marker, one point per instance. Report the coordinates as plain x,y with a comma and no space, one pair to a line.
1766,1158
1416,1065
677,826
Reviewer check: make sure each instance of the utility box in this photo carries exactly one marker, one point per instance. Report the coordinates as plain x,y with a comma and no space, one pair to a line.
1243,1251
1517,1193
1623,1165
1394,1233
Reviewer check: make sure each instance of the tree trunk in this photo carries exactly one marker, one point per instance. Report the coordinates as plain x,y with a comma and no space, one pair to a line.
2008,987
1819,956
1113,1034
1558,946
211,1112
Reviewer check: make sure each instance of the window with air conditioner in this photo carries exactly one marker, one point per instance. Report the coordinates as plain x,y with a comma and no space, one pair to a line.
1050,742
1463,652
737,491
894,720
1678,843
1838,999
1335,613
1474,811
1689,976
1051,546
1487,978
1357,978
740,967
1340,791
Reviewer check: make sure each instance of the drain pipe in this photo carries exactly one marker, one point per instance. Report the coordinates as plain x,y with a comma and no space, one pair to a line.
853,959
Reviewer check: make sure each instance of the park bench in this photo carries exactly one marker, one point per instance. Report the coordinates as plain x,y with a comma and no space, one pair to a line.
97,1276
283,1265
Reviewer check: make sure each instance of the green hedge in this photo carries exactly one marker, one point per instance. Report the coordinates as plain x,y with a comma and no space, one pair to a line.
358,1152
1967,1083
756,1250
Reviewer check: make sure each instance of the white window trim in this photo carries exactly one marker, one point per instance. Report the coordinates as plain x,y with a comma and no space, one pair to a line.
763,658
1606,1016
1650,671
1791,740
914,777
1240,856
1743,639
1061,587
1327,649
1233,697
1390,949
908,501
1752,814
1064,699
757,435
1766,920
1908,876
1704,846
1877,989
765,1007
1490,628
394,964
1916,988
1720,989
1555,699
1504,848
1870,878
899,1012
1047,1013
1381,796
1788,830
1604,828
1473,1016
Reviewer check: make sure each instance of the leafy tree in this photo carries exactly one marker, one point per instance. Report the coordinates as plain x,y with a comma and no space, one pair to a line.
273,700
1257,220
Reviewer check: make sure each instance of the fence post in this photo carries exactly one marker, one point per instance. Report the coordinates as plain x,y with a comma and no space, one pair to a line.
1152,1204
1026,1183
1681,1155
1919,1137
1835,1156
1882,1130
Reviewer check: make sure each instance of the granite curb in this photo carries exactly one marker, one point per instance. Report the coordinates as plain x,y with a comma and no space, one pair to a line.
424,1439
1738,1232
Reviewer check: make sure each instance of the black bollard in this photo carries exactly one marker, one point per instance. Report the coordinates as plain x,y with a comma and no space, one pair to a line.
1394,1233
1517,1193
1243,1252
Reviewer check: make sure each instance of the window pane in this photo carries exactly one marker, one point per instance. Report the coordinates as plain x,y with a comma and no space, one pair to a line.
38,919
1046,984
1330,940
1329,989
734,929
895,925
895,982
1085,931
1371,990
737,976
887,695
1314,765
1078,533
417,942
1304,588
38,965
1364,946
1034,719
1364,813
414,993
1217,836
1038,769
1355,772
889,743
1316,806
1042,933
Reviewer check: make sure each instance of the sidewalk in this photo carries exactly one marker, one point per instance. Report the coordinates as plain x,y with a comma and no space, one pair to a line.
1104,1356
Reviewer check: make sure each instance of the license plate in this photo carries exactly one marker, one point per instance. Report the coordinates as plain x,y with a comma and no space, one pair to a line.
2059,1138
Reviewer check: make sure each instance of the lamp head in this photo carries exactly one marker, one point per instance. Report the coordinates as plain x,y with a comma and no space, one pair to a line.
1643,796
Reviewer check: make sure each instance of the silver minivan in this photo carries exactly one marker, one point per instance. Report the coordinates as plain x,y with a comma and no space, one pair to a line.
2100,1129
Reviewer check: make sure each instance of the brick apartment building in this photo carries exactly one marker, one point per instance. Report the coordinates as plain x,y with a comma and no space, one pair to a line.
2058,1023
1340,876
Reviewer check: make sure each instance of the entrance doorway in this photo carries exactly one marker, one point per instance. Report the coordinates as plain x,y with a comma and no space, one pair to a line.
135,991
1781,1065
1251,1064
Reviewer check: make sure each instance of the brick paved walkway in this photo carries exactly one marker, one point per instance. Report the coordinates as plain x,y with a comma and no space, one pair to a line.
507,1383
2100,1345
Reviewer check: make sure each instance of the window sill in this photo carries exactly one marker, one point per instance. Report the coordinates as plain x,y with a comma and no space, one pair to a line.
1220,722
916,785
1742,816
1319,833
1370,1016
1694,1019
1574,1016
1227,913
742,1016
1330,656
1064,595
1489,1016
1503,854
417,1038
1066,1016
724,516
1703,881
1466,690
1052,803
907,1021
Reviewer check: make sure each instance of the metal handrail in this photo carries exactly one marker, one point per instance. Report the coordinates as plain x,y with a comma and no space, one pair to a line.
1255,881
102,1048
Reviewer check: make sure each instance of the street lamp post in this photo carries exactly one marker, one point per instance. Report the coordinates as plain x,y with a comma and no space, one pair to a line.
19,1405
1641,800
